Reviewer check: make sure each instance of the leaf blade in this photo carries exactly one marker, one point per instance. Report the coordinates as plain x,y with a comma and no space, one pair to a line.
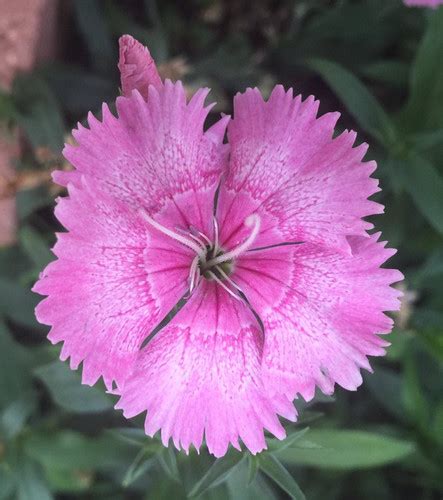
362,105
348,450
274,469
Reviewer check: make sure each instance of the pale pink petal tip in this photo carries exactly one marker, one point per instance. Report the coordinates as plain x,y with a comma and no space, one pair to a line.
137,67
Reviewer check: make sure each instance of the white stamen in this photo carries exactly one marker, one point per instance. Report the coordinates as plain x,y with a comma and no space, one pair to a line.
202,235
220,282
254,221
185,241
199,241
215,234
194,274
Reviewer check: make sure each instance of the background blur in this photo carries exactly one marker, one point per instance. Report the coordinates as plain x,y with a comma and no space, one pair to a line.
380,64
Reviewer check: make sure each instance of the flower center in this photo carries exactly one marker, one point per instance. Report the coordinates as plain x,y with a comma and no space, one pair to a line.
211,261
221,270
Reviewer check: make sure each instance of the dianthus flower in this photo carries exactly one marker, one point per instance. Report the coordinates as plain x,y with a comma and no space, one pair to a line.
423,3
211,283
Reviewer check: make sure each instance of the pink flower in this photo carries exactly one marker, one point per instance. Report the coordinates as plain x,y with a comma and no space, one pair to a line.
260,242
423,3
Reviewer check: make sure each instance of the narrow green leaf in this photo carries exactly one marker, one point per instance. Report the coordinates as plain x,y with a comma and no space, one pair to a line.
438,423
133,436
425,185
277,445
274,469
96,34
347,450
434,340
240,488
218,473
431,268
168,461
35,247
308,416
425,106
394,73
67,391
427,140
414,399
386,386
253,468
362,105
142,462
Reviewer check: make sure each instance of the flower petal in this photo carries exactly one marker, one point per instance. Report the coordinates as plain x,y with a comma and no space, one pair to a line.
285,166
137,68
201,375
112,283
155,152
321,311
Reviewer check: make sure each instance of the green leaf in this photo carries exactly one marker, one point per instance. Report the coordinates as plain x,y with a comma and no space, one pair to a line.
13,262
427,140
69,480
272,467
30,482
96,35
38,112
240,488
425,185
7,481
434,339
30,200
253,468
14,416
394,73
431,268
121,21
35,247
414,399
78,90
277,445
347,450
18,303
168,461
15,363
438,424
219,472
133,436
425,106
67,450
386,387
357,99
8,112
67,391
142,462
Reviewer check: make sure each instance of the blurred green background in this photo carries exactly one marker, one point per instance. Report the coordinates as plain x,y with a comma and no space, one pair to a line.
380,64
